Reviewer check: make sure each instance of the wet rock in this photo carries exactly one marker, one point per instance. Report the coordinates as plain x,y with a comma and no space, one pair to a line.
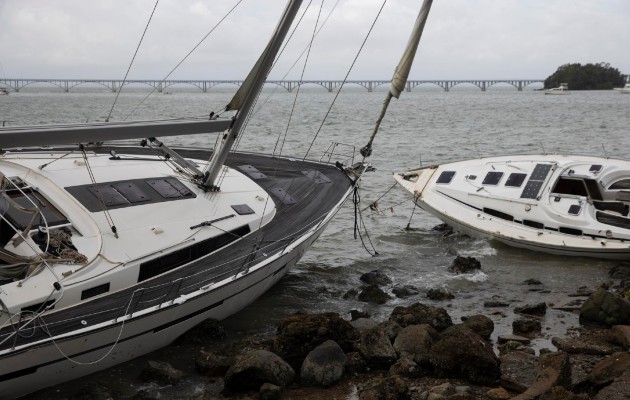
526,327
581,347
480,324
513,338
605,308
97,391
298,334
532,281
553,370
443,229
270,391
373,294
538,310
324,365
376,349
375,277
417,314
405,367
404,291
254,368
392,329
512,346
620,334
390,388
211,364
415,341
355,363
498,394
495,304
609,369
464,265
464,354
161,372
439,294
620,271
618,390
356,314
518,371
351,294
363,324
581,367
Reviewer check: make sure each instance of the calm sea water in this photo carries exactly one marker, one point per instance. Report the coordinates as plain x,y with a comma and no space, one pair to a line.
424,126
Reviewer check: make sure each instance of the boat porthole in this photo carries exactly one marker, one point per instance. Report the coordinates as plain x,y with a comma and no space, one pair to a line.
609,234
83,322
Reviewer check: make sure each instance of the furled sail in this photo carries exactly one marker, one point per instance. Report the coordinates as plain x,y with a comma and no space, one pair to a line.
399,80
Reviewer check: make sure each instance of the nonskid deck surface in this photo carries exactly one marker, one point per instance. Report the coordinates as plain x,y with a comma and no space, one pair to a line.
310,200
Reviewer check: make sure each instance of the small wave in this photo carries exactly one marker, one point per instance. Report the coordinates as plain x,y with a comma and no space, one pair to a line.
480,248
478,276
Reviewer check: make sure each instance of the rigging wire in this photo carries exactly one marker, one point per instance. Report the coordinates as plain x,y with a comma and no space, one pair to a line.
108,216
358,223
131,63
297,93
185,57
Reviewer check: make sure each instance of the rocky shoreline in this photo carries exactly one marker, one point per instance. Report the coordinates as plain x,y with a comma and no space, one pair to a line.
418,353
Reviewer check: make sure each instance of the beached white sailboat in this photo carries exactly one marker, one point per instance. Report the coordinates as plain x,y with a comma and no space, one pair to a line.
110,251
558,204
625,89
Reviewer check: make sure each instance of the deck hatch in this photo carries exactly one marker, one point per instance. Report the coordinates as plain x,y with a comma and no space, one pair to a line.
536,181
595,168
252,171
492,178
169,188
515,179
129,192
575,209
242,209
445,177
282,195
316,176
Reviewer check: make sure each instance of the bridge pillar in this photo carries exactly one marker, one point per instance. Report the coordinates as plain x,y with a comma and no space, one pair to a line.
289,87
446,87
159,87
483,86
330,87
408,86
369,85
520,86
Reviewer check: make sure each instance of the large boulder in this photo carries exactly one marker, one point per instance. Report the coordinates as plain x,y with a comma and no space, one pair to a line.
464,265
254,368
605,308
480,324
373,294
414,342
376,349
553,370
610,368
298,334
418,313
324,365
518,370
618,390
464,354
160,372
376,277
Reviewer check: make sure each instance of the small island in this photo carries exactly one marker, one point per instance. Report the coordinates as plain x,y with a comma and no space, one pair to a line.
586,77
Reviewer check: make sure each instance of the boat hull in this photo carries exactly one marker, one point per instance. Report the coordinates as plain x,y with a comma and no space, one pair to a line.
563,205
80,354
123,325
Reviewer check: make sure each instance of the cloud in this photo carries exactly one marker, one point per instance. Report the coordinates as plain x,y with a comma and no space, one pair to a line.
463,39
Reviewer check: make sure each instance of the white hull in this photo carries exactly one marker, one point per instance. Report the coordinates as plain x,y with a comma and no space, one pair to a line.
81,353
568,210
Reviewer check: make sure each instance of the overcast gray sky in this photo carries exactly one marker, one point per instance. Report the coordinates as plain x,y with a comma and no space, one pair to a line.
463,39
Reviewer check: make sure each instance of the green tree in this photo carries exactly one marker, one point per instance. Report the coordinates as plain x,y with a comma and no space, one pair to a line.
586,77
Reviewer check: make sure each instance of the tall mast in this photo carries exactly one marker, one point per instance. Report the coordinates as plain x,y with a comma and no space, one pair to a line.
245,97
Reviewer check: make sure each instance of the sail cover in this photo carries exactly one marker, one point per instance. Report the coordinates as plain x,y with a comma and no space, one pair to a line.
404,66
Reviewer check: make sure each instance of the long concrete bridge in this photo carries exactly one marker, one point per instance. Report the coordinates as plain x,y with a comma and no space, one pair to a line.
206,85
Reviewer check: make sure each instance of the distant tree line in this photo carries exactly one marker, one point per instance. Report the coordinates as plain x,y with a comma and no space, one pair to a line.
586,77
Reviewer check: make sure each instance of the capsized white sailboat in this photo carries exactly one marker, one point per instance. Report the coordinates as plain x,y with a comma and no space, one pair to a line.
110,251
558,204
